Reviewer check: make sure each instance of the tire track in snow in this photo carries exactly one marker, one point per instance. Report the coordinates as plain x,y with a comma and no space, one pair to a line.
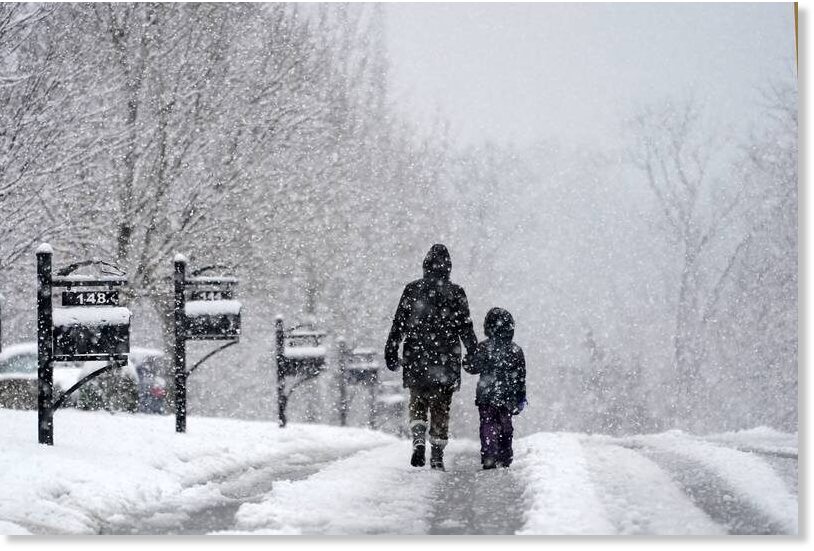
641,498
738,489
470,500
784,462
716,496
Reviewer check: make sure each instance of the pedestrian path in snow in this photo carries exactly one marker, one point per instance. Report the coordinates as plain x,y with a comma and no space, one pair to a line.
469,500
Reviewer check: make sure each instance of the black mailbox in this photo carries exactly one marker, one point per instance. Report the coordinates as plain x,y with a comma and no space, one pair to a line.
303,354
363,368
213,319
95,331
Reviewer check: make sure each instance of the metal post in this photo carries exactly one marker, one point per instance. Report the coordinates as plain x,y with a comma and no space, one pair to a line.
343,388
180,358
45,343
2,298
280,359
374,382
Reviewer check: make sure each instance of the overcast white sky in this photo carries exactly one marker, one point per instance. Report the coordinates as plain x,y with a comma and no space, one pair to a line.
519,72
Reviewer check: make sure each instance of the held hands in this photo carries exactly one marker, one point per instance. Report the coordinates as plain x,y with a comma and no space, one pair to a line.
520,406
467,364
393,364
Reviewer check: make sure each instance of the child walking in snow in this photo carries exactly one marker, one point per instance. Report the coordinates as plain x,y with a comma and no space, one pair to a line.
501,390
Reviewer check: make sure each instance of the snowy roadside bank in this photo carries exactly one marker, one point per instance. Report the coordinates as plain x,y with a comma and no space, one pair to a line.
104,468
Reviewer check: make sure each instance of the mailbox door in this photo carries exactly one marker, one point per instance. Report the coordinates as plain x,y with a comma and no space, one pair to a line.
303,366
81,340
213,326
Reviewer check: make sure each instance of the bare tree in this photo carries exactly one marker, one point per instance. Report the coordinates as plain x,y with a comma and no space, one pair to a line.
700,211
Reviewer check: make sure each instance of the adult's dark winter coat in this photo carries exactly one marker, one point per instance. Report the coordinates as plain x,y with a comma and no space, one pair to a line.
432,319
500,363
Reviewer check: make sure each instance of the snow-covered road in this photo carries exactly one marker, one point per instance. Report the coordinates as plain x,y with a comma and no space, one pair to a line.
127,474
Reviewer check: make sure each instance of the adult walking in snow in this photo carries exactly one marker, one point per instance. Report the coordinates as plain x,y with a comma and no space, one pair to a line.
432,319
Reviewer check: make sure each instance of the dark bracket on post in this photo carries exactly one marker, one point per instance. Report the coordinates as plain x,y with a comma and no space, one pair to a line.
77,339
306,367
357,367
219,323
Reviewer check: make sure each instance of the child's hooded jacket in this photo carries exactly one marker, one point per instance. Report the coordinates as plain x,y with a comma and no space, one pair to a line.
500,363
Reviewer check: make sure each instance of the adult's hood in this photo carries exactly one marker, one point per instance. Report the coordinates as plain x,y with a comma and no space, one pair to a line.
437,263
499,325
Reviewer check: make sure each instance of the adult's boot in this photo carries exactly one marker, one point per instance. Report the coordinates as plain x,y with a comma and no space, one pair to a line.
419,430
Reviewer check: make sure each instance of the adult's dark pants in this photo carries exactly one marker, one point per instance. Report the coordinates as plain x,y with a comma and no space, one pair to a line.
433,404
496,433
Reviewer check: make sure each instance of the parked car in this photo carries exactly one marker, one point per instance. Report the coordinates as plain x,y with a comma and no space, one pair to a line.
18,377
139,386
151,370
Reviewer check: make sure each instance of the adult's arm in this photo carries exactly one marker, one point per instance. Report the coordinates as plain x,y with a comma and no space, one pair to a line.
397,331
466,331
475,363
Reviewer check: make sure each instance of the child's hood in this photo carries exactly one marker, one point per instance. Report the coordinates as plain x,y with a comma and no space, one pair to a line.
499,325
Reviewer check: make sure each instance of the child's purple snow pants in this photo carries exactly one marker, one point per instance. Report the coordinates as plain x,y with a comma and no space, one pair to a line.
496,434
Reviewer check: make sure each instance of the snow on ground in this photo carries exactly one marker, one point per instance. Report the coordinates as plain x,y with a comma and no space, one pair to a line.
559,487
133,474
371,492
104,468
748,474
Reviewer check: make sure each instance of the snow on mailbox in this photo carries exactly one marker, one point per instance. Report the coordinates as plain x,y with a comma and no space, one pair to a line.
81,331
213,319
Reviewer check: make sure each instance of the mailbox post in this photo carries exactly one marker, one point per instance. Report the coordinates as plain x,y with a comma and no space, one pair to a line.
2,298
180,355
343,387
300,354
45,343
89,326
208,314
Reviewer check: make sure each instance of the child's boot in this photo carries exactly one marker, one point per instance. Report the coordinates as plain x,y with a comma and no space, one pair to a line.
437,457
